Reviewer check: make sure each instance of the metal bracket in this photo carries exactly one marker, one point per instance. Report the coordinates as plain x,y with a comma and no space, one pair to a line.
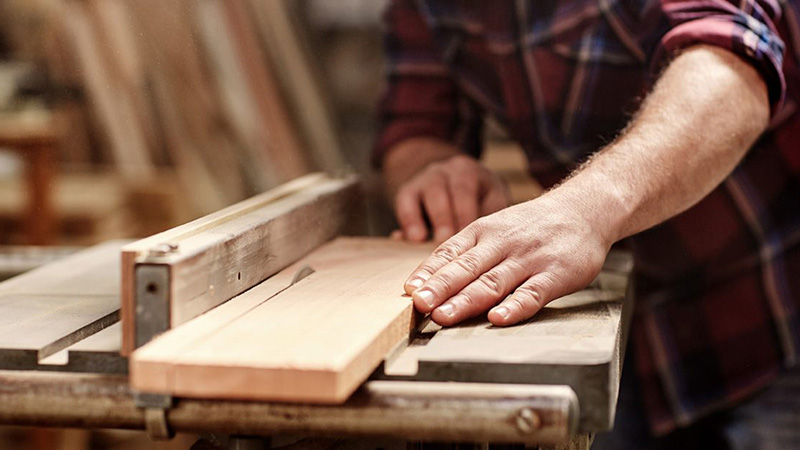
152,301
156,407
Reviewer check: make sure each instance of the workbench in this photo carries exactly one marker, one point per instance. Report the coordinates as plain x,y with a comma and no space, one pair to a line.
62,365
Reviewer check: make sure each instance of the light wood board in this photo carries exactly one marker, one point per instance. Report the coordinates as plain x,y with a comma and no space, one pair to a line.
315,341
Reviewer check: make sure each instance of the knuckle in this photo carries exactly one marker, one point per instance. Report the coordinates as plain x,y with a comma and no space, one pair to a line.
461,161
516,267
466,299
446,252
466,187
457,183
477,227
465,170
468,263
529,294
518,304
549,279
427,268
493,282
405,194
436,168
441,284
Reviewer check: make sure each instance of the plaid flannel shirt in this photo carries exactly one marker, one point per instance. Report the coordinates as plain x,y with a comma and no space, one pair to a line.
718,287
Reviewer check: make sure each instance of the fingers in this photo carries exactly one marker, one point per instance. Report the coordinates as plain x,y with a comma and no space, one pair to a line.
452,193
437,202
444,254
464,191
479,295
528,299
453,277
409,214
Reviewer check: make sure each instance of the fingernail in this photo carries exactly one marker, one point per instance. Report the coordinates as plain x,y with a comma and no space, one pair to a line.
446,309
426,296
416,283
502,311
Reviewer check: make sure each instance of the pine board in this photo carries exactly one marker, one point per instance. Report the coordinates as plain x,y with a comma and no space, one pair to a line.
315,341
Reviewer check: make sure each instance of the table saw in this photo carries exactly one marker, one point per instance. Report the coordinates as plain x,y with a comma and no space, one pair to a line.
183,331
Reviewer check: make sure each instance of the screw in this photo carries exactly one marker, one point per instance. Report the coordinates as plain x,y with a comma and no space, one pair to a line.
528,421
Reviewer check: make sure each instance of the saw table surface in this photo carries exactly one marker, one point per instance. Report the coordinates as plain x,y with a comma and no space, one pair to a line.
233,297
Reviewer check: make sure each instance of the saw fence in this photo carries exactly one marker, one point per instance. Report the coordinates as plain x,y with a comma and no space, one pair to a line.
263,319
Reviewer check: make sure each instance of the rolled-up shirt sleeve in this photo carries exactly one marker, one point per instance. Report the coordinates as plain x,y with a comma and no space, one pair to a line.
745,27
421,98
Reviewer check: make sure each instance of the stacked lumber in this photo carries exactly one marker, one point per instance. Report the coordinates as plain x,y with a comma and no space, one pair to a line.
221,90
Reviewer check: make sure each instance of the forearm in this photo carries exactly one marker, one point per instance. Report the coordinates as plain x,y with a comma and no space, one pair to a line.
702,116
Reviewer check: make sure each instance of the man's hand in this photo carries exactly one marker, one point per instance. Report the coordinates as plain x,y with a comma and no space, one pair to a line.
535,251
431,179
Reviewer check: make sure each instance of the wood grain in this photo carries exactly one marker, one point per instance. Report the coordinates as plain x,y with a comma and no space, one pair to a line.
315,341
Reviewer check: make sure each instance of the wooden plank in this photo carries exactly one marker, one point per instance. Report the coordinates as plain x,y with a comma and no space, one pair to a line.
315,341
577,340
50,308
221,255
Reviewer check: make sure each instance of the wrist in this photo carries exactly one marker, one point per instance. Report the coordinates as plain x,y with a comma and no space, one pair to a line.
599,202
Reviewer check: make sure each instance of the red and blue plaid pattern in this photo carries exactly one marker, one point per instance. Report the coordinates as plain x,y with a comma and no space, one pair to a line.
718,287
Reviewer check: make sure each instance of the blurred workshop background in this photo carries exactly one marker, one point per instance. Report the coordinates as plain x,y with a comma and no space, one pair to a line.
119,119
